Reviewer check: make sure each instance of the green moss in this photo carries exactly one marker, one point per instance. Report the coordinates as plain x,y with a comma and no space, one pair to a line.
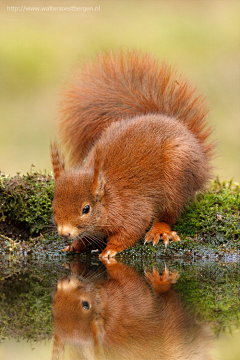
214,213
209,225
27,200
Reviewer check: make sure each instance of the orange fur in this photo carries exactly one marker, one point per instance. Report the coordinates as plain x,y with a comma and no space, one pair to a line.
136,135
123,85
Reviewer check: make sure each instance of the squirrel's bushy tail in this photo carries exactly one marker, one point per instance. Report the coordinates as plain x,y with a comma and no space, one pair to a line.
123,85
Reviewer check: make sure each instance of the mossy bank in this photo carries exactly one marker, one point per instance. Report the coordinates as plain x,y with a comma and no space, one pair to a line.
209,225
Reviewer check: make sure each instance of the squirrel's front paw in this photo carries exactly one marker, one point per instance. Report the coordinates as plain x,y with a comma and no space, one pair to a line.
160,229
115,245
69,248
108,253
76,246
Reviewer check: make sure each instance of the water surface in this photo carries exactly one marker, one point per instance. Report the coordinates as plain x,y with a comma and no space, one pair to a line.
80,308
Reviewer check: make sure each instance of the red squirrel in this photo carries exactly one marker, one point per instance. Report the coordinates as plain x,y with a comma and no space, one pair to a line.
137,140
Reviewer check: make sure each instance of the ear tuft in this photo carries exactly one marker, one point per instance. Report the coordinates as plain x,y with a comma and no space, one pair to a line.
58,162
100,187
98,184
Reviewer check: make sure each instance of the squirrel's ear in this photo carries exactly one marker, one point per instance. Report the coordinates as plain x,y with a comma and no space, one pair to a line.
98,184
57,161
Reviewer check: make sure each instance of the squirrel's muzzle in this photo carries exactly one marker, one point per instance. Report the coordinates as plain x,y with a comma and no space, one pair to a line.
68,231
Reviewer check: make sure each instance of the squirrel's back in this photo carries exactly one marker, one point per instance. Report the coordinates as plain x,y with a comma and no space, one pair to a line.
124,85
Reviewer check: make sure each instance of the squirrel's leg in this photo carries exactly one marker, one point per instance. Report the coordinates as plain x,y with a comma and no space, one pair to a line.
115,244
159,229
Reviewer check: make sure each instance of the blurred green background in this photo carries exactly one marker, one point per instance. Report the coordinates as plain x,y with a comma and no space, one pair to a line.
40,49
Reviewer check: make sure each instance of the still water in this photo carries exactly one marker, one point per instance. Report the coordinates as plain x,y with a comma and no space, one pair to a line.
81,308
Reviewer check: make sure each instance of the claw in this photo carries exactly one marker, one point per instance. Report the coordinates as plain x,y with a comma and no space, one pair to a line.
165,239
175,236
156,239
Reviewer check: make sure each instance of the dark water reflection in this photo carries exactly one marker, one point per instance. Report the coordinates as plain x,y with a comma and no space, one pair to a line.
90,310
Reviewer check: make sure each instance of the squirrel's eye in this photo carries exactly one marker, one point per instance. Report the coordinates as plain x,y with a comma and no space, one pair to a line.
86,210
85,305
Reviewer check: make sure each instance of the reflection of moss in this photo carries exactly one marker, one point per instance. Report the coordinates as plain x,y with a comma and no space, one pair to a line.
25,306
212,292
26,297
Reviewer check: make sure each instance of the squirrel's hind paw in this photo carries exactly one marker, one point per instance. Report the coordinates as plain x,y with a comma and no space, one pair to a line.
159,229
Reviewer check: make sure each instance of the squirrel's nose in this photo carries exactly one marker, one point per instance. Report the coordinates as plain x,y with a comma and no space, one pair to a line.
65,231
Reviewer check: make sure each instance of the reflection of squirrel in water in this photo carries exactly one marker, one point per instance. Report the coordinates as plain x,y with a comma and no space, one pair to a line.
121,317
136,135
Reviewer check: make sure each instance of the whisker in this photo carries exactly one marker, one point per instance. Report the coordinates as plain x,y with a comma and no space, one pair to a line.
93,238
95,274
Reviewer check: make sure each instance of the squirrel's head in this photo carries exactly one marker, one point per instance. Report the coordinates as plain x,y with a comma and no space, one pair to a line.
78,204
